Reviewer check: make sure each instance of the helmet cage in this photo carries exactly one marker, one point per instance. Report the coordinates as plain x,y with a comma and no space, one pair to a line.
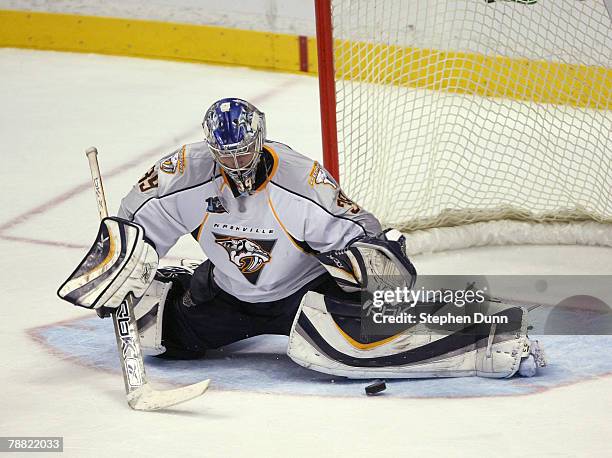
238,160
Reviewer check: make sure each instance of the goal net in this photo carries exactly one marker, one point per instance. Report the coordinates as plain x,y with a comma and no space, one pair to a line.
486,116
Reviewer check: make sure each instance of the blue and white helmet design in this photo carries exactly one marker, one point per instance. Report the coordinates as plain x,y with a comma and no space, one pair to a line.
235,132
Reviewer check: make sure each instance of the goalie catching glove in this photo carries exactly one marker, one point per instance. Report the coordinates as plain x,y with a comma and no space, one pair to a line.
371,263
120,262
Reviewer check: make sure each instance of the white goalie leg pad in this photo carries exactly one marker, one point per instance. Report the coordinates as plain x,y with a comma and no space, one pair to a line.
317,342
149,317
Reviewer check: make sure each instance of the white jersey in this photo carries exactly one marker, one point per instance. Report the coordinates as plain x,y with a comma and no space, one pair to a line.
262,244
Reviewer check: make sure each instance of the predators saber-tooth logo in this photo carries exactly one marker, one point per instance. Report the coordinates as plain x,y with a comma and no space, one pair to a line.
249,255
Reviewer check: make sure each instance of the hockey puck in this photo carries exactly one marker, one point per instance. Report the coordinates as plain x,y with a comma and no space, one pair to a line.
376,387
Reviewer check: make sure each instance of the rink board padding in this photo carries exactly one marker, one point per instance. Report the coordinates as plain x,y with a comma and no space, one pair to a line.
260,365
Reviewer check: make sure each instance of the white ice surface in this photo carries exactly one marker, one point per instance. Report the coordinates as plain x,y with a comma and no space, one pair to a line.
53,106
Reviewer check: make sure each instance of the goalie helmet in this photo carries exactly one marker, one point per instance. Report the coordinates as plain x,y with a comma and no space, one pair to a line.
235,132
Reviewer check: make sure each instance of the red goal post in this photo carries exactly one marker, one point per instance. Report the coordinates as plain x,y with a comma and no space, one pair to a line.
327,85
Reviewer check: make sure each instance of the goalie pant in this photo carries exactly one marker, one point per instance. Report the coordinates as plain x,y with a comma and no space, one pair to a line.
184,314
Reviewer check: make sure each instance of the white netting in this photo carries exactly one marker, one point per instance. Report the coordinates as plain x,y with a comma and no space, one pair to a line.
454,112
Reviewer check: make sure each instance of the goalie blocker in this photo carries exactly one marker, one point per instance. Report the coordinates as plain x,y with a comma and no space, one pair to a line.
120,262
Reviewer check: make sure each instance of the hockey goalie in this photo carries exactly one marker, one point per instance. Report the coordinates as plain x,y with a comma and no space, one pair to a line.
288,253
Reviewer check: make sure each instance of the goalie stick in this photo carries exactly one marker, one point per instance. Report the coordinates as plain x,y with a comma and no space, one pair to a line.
140,394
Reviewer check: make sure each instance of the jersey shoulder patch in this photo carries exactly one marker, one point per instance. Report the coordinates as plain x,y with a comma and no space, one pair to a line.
319,176
174,163
188,166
